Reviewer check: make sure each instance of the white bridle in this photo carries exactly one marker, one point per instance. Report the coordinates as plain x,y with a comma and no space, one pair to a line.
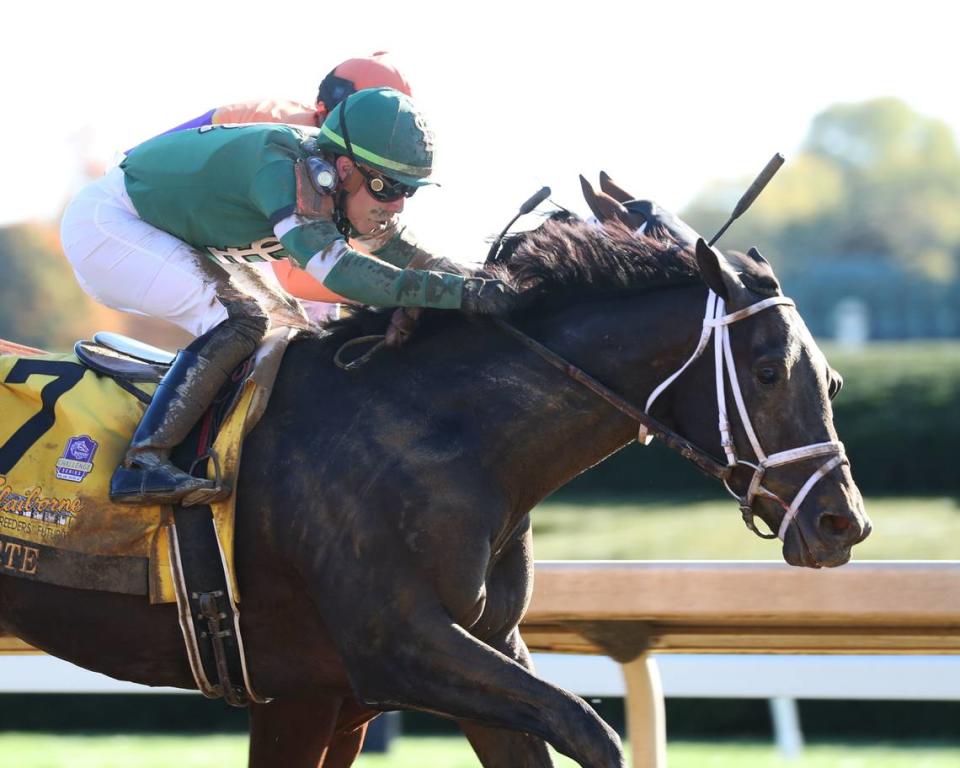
715,319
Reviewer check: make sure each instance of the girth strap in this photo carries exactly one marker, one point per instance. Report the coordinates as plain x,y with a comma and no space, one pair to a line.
208,617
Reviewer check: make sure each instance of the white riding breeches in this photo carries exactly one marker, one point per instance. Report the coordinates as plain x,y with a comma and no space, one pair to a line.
130,265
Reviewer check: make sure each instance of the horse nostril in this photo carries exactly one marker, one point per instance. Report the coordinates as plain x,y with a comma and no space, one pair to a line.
835,526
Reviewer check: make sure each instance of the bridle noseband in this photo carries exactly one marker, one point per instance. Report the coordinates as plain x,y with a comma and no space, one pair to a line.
717,324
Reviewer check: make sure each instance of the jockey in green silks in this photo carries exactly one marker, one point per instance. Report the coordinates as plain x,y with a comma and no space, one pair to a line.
173,231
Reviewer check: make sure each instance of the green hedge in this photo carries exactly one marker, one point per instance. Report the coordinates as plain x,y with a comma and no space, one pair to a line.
898,415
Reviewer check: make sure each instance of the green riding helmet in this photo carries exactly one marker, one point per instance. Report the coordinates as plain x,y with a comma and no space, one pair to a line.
386,132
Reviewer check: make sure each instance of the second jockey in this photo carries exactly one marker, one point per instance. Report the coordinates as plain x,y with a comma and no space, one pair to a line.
350,76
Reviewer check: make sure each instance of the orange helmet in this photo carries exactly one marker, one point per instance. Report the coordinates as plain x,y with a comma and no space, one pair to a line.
373,71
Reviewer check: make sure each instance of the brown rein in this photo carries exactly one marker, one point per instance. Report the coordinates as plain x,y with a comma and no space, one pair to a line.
676,442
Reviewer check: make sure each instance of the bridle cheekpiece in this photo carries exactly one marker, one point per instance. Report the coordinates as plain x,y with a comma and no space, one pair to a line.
717,324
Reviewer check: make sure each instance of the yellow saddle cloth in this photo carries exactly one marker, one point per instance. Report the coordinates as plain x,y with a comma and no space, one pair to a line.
63,430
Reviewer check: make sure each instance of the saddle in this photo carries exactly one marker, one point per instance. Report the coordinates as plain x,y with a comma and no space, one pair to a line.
123,358
67,419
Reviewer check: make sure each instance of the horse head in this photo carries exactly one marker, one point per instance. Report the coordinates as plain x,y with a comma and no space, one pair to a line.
637,312
777,439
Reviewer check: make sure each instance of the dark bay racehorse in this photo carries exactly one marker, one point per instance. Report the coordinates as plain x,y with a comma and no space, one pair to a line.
383,542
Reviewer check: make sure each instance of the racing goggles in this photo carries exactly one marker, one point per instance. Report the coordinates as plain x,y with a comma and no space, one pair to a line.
380,187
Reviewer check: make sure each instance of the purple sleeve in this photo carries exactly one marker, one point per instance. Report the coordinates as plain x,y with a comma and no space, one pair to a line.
198,122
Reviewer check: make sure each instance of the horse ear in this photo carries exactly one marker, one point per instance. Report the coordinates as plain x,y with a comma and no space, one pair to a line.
754,254
613,189
604,207
834,382
714,270
758,275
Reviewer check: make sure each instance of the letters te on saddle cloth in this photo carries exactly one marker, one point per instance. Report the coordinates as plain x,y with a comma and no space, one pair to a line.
63,430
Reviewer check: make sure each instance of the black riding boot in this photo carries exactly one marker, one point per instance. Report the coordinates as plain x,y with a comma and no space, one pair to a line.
146,475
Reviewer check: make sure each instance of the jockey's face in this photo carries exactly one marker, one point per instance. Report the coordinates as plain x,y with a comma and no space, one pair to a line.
368,215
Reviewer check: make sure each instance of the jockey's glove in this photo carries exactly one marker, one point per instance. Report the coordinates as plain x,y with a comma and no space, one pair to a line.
402,322
482,296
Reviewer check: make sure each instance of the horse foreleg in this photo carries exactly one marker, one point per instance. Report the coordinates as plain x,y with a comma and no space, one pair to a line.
425,661
294,732
498,748
348,735
344,748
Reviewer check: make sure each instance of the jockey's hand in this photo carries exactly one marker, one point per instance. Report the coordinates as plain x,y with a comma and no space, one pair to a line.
483,296
402,322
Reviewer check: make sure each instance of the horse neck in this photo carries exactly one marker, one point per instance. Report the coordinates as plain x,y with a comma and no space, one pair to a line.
546,427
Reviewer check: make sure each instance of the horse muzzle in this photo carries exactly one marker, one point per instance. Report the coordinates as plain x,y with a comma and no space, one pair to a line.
828,527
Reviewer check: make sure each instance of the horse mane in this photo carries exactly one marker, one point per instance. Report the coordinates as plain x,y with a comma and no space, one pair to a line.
564,260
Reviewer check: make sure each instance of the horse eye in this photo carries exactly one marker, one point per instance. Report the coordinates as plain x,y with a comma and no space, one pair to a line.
768,375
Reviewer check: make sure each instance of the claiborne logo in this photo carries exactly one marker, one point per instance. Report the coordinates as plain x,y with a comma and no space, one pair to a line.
77,459
34,504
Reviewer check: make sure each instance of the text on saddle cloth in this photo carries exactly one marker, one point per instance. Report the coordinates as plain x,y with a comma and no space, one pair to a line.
63,430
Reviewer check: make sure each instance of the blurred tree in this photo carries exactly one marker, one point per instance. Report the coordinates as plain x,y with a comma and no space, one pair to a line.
875,183
901,173
41,303
873,178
